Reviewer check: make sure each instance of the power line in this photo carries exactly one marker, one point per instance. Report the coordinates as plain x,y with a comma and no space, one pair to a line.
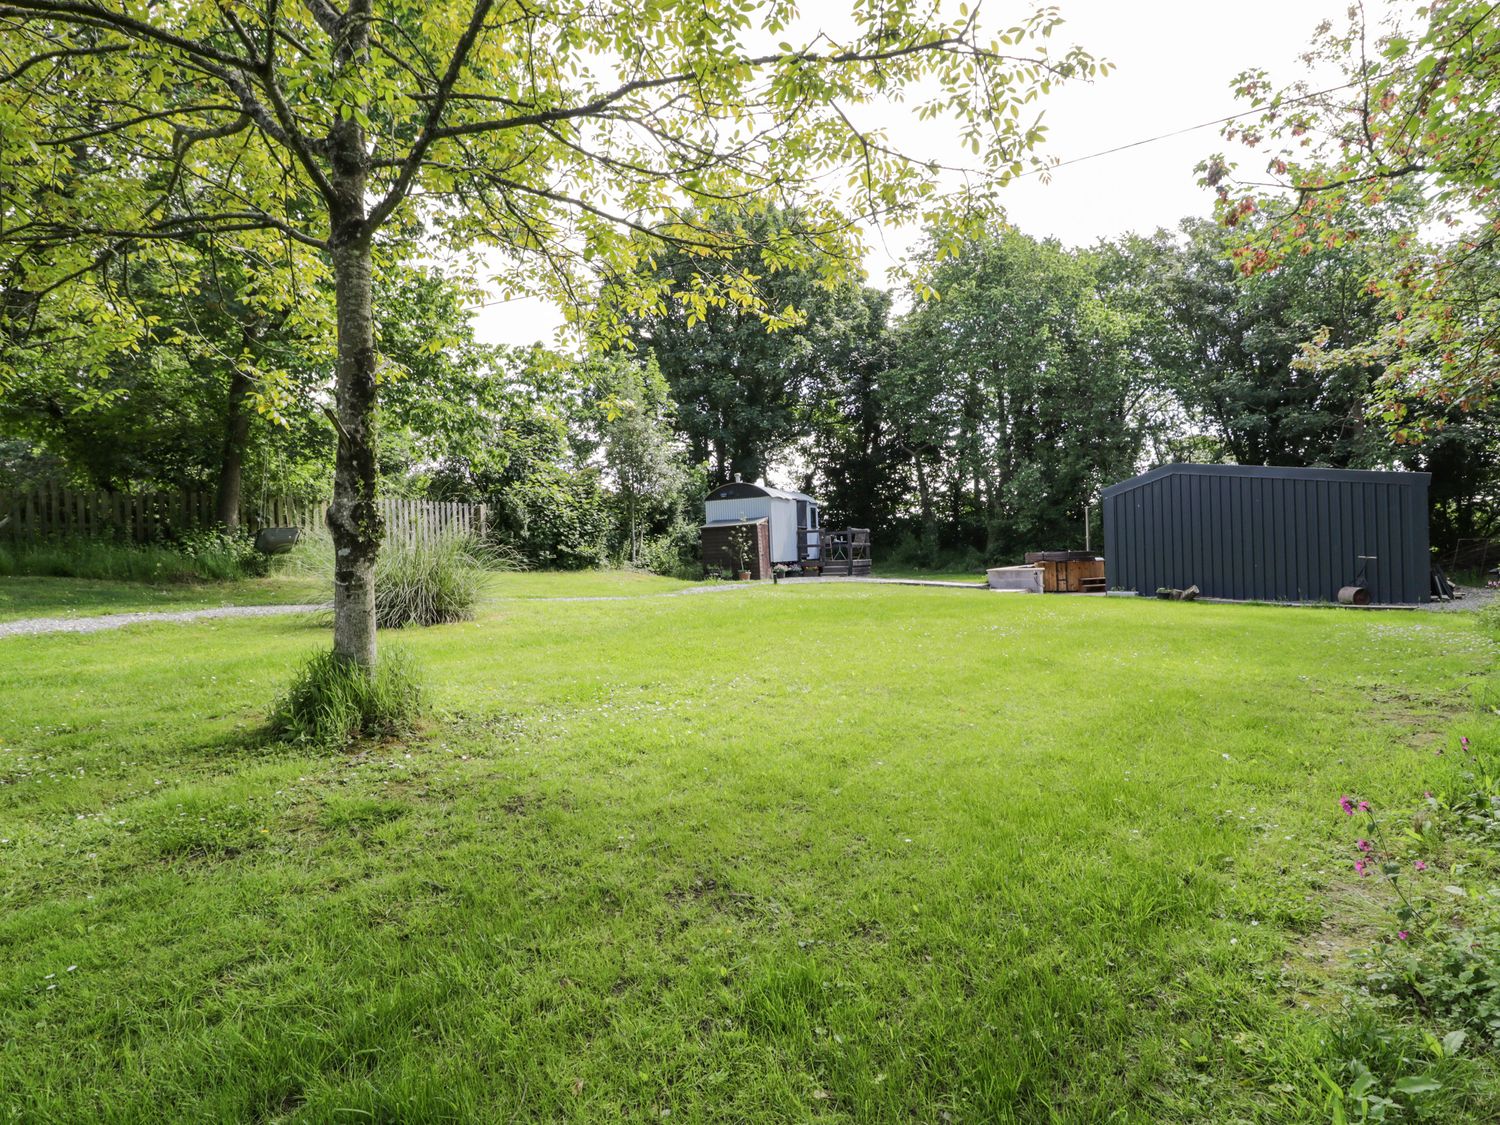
1186,129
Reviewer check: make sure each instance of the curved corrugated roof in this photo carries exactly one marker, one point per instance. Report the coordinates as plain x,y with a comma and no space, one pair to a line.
738,490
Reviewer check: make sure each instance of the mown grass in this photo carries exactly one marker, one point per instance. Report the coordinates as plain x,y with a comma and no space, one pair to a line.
582,584
835,853
88,597
944,574
65,597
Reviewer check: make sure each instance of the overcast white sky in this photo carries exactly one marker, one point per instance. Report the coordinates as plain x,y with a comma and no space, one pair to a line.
1175,60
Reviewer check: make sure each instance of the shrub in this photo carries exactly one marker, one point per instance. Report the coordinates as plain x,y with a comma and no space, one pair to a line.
1489,617
1441,958
218,554
675,552
554,518
333,701
428,583
913,553
1451,974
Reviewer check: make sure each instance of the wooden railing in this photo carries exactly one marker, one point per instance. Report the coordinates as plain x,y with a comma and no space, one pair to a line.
50,513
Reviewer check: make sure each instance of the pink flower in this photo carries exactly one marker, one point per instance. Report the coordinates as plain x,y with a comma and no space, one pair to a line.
1464,742
1364,806
1419,865
1362,845
1427,793
1402,935
1359,865
1347,804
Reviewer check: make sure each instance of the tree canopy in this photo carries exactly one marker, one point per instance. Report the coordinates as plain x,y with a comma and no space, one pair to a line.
1400,157
558,134
1016,393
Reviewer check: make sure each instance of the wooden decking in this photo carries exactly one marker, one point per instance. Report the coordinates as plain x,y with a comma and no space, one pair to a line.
845,553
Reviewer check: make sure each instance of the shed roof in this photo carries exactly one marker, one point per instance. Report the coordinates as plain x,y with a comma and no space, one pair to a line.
736,523
1284,472
740,489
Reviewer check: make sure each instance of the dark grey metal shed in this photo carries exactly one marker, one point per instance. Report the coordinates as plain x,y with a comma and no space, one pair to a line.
1269,534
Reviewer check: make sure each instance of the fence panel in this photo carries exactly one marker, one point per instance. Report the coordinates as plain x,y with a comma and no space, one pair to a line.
50,512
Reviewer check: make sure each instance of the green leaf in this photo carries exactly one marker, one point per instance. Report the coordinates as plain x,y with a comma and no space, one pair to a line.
1418,1084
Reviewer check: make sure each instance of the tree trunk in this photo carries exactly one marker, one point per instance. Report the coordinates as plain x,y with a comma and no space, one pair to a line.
928,532
353,518
232,464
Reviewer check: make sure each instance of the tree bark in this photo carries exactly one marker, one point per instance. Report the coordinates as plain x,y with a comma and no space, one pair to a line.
232,463
928,534
353,518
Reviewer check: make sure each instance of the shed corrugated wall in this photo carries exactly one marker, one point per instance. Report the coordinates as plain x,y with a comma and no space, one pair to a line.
1268,534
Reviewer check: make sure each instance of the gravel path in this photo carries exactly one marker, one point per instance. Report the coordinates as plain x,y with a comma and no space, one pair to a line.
1475,598
32,626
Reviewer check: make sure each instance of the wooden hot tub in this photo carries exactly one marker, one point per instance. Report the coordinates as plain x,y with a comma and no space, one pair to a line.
1069,572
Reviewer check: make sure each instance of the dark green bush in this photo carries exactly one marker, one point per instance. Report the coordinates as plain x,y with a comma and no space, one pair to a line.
675,553
333,701
554,519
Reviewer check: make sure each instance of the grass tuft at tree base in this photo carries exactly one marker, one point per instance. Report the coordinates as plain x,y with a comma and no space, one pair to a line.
333,702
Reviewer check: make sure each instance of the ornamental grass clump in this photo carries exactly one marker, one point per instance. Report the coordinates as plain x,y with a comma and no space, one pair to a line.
428,583
333,701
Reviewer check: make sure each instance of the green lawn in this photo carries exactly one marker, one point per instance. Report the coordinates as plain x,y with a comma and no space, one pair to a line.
949,575
87,597
79,597
841,853
582,584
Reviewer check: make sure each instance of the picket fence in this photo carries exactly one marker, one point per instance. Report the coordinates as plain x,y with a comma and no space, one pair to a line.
50,513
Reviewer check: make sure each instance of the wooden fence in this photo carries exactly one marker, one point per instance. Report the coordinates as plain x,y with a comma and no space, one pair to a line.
50,513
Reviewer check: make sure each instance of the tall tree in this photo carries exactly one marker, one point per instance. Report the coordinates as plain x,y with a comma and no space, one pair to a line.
220,355
1016,391
1226,344
853,463
640,449
555,133
743,393
1418,111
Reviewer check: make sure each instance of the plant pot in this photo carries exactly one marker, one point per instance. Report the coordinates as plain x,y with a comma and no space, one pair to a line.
744,576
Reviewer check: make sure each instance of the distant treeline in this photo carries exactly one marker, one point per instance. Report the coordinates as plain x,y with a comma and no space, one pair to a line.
977,423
